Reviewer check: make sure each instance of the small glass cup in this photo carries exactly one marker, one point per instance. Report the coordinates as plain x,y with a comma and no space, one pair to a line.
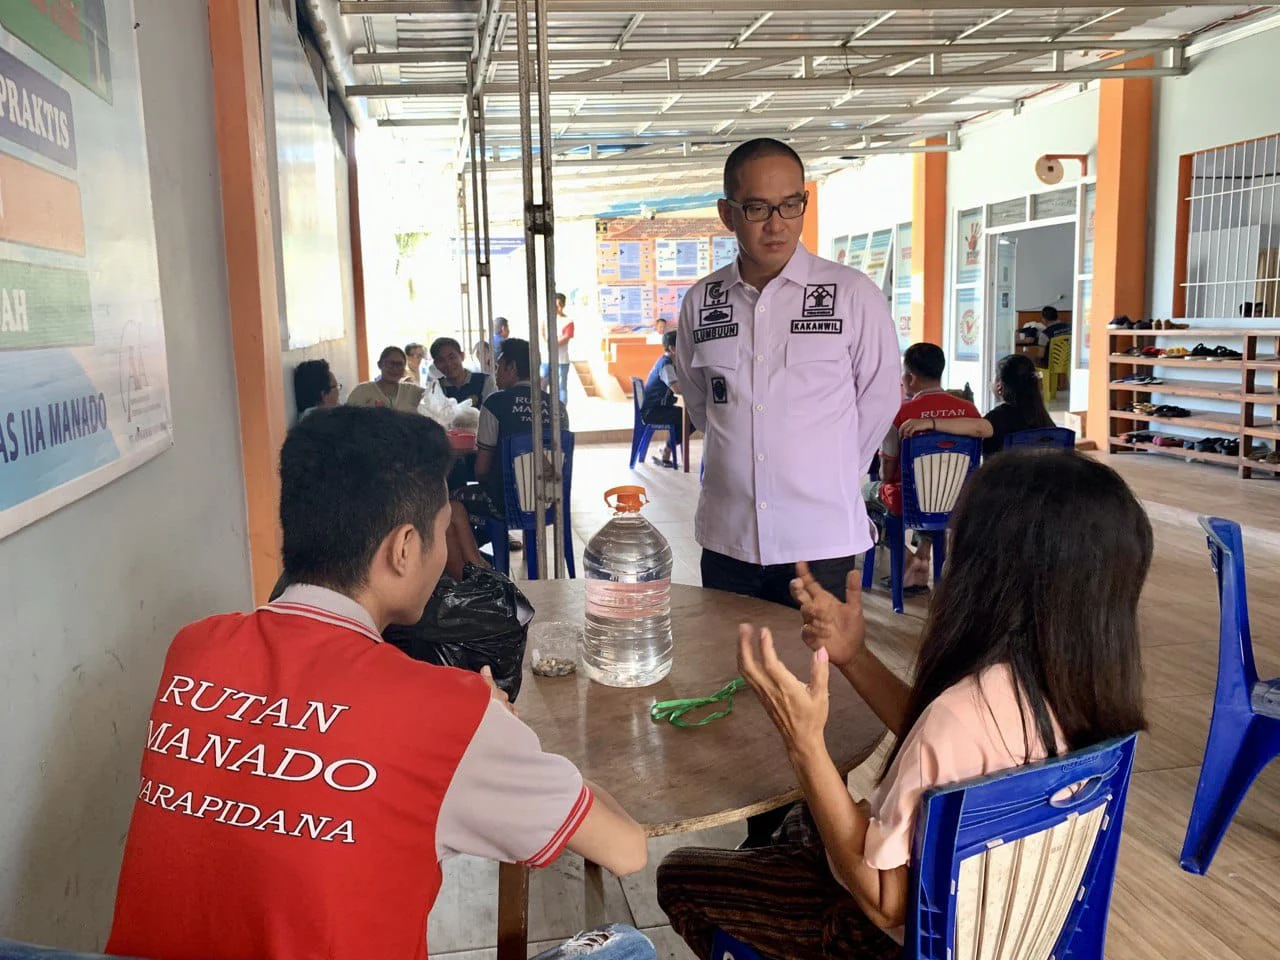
553,647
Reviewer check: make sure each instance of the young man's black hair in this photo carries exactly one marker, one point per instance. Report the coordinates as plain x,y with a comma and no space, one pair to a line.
440,343
1049,314
515,351
925,360
746,152
347,479
310,383
669,340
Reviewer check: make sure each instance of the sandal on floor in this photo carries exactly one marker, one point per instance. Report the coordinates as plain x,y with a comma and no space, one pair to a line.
915,591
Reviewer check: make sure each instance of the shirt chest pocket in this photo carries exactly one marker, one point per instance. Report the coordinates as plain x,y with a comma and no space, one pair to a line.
716,361
819,375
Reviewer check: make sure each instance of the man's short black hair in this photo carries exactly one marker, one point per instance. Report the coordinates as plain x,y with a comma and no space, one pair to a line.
501,323
441,343
925,360
515,350
746,152
669,340
1049,314
562,299
310,383
348,477
410,347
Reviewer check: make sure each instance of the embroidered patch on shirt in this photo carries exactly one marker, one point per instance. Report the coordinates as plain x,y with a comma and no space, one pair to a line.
714,294
720,331
709,316
817,326
719,390
819,300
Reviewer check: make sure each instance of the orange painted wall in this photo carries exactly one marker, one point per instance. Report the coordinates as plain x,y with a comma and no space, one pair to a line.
929,244
251,273
809,235
1120,229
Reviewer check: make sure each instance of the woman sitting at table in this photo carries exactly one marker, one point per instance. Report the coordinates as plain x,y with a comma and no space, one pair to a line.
1021,407
1030,651
390,389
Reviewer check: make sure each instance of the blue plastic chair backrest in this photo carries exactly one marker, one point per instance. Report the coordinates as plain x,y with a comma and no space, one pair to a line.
935,467
1237,673
1019,857
637,397
517,474
1042,438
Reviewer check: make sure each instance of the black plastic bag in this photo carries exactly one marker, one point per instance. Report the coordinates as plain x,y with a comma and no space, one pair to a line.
479,621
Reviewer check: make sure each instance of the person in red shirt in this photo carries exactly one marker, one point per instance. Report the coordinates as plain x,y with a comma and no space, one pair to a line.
301,780
922,368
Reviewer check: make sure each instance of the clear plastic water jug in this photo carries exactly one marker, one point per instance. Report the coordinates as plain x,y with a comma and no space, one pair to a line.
626,640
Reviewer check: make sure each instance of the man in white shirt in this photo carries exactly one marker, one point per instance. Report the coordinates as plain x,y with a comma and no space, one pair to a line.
789,364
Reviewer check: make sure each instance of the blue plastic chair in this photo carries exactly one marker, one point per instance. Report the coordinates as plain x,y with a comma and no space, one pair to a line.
517,517
642,433
1041,438
935,467
1244,734
978,868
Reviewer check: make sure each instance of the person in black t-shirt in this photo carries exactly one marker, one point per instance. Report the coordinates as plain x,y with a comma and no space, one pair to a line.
658,405
1021,407
505,413
456,381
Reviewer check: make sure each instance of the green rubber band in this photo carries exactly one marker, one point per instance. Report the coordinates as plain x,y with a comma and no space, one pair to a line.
673,711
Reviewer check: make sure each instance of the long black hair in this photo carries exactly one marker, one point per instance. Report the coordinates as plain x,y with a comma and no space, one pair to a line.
1020,387
1048,555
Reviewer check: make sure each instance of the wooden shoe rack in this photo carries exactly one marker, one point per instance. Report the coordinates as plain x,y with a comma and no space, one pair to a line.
1254,414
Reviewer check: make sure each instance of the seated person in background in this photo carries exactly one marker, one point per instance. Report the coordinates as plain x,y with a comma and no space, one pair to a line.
302,781
501,330
1021,407
505,413
390,389
457,382
926,402
1053,327
1030,651
658,406
483,354
314,386
414,354
660,328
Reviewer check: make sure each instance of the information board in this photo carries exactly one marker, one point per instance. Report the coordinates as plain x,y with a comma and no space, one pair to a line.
84,393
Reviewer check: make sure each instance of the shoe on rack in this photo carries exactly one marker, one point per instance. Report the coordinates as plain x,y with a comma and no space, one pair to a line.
1167,441
1199,351
1224,353
1142,325
1207,445
1229,447
1151,352
1120,323
1168,410
1174,353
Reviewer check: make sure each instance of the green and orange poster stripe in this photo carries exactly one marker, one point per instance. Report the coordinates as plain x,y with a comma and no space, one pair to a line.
38,208
71,34
43,307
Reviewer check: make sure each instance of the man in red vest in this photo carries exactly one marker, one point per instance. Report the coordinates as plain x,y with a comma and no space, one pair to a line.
302,780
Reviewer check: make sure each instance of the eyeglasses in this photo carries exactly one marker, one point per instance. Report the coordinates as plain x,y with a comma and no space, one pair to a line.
757,211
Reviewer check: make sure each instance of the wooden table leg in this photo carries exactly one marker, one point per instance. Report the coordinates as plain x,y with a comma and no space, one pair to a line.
513,911
593,890
684,436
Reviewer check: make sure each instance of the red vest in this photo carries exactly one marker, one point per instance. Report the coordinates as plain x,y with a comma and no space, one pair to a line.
291,783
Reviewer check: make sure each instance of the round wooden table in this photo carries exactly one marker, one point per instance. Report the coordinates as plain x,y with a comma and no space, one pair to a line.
674,780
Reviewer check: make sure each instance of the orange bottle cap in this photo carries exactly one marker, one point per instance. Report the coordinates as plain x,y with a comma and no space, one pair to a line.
627,499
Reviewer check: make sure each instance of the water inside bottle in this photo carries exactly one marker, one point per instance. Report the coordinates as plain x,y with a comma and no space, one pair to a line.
626,637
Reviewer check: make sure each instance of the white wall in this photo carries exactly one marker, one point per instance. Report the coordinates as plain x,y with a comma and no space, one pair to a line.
1044,274
1227,97
870,195
995,162
91,596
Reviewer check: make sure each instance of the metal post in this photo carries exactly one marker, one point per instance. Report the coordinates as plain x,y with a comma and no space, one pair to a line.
482,225
465,265
486,332
532,226
540,30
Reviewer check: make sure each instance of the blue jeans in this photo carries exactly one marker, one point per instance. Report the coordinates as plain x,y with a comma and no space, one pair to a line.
564,380
614,942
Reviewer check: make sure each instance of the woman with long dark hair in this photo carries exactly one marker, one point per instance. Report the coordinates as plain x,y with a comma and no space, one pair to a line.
1021,407
1030,650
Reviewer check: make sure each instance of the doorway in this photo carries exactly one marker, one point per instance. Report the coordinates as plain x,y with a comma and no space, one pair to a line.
1034,268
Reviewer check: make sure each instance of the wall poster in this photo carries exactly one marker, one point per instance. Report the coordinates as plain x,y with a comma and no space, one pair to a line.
969,247
84,394
968,323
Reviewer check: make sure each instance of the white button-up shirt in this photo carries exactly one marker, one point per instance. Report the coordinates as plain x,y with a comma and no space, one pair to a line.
794,387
